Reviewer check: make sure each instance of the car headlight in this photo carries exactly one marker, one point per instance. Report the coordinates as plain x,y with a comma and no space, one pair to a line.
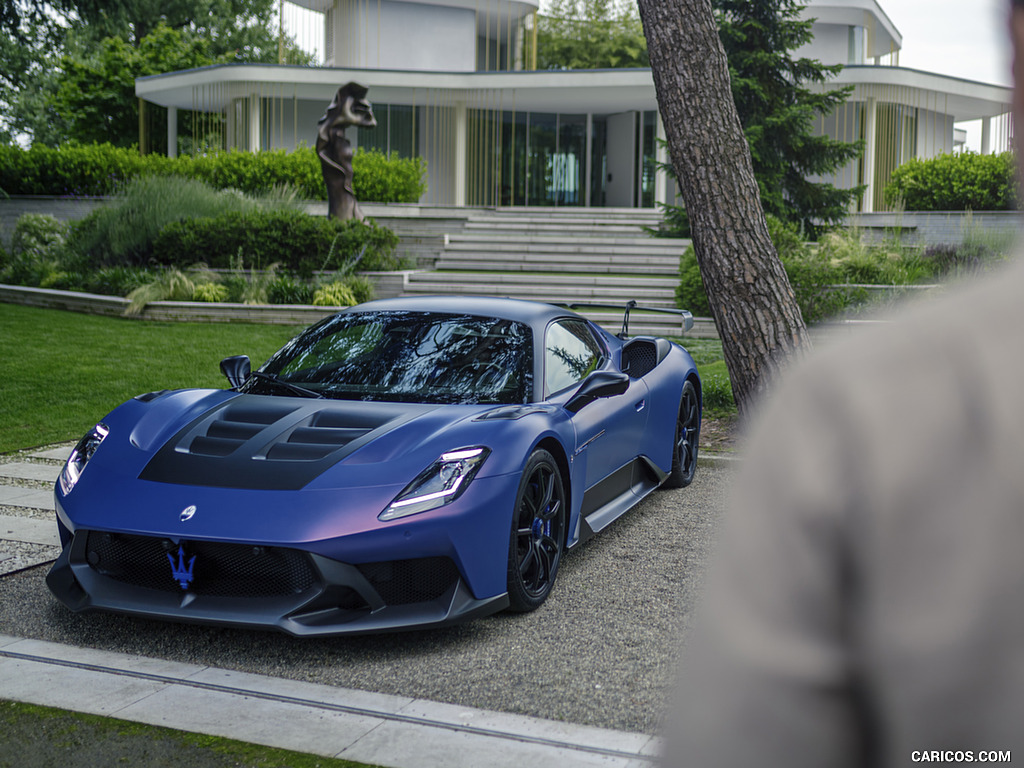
441,483
80,457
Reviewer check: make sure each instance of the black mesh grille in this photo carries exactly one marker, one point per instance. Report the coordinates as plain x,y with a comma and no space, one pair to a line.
641,357
219,570
401,582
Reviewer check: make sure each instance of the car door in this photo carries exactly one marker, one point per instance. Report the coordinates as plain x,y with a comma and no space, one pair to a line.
608,430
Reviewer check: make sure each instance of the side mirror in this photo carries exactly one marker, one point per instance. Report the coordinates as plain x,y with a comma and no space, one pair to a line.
597,385
237,369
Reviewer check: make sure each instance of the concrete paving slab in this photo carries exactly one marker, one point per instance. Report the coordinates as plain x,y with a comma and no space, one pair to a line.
60,453
502,722
409,745
29,530
13,496
259,721
24,470
349,699
105,660
309,717
81,690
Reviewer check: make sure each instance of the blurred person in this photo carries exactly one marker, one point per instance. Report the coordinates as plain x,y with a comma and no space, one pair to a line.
866,606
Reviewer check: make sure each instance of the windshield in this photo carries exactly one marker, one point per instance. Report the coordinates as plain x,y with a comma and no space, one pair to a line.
422,357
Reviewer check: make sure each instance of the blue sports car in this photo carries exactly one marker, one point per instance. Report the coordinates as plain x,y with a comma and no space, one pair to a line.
404,463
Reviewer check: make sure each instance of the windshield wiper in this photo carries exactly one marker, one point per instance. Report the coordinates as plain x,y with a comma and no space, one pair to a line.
293,388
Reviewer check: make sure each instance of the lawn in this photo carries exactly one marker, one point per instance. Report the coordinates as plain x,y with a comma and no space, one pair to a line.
63,371
35,735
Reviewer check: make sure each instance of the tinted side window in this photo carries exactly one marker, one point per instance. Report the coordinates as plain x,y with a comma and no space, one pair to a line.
570,353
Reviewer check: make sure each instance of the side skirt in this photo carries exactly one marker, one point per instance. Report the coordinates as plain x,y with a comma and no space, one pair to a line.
611,498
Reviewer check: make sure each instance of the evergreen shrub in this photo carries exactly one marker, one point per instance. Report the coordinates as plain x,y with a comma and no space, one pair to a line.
960,182
297,241
83,170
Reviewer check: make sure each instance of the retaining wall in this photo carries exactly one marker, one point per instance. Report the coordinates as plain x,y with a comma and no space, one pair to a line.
421,229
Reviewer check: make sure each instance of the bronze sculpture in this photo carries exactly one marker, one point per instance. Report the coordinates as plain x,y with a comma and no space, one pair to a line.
349,107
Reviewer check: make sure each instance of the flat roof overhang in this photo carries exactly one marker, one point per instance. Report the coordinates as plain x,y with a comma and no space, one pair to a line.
964,99
567,91
603,91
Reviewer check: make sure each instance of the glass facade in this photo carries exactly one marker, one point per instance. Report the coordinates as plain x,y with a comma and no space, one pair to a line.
541,158
895,143
395,131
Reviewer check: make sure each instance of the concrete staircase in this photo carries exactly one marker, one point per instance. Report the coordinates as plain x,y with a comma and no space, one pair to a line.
562,256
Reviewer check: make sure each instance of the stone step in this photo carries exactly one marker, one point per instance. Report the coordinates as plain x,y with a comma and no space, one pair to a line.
643,241
514,249
592,221
569,214
515,246
564,262
599,294
556,265
506,278
590,228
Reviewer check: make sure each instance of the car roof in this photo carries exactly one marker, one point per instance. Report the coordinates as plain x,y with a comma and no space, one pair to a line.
533,313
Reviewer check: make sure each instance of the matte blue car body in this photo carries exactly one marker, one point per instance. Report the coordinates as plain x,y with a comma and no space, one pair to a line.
335,515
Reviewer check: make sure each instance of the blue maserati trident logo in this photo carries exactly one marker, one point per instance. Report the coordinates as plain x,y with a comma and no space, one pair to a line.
181,571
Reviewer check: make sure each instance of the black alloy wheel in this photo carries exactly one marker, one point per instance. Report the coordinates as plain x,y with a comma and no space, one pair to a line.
687,439
538,533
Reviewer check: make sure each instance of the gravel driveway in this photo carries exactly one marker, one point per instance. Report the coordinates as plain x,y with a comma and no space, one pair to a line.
602,650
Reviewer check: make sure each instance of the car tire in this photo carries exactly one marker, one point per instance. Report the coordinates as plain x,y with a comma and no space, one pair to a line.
538,533
687,439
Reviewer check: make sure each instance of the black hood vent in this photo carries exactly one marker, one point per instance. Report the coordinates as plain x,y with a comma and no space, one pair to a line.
272,443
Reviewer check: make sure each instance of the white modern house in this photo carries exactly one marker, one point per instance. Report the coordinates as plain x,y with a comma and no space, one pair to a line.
452,81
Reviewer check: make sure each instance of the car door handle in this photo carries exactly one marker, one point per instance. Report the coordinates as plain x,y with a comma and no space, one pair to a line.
640,406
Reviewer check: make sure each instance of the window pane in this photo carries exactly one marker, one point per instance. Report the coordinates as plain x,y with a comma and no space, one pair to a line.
418,357
570,354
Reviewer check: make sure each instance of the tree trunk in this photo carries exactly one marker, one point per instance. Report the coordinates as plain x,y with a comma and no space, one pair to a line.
753,303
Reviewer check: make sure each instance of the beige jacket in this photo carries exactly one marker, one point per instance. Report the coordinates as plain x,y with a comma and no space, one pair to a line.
868,602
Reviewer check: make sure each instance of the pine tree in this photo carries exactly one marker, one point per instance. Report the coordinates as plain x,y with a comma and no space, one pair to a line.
754,306
777,109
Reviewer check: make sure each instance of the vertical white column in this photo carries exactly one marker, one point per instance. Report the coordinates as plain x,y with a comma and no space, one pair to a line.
231,125
870,140
986,135
254,123
461,145
172,131
661,155
589,164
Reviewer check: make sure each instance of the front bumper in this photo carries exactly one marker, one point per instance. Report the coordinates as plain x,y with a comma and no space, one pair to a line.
240,585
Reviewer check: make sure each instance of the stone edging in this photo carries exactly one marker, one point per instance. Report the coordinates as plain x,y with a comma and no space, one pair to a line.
206,312
166,311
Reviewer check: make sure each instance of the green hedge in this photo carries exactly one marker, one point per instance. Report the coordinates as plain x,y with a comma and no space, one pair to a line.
962,182
295,240
102,169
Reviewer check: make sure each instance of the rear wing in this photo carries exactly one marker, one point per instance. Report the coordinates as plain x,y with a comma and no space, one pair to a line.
687,317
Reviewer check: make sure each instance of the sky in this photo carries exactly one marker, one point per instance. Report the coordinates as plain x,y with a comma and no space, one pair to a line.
963,38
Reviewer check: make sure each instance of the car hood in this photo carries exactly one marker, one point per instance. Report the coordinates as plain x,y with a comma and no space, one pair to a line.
260,442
